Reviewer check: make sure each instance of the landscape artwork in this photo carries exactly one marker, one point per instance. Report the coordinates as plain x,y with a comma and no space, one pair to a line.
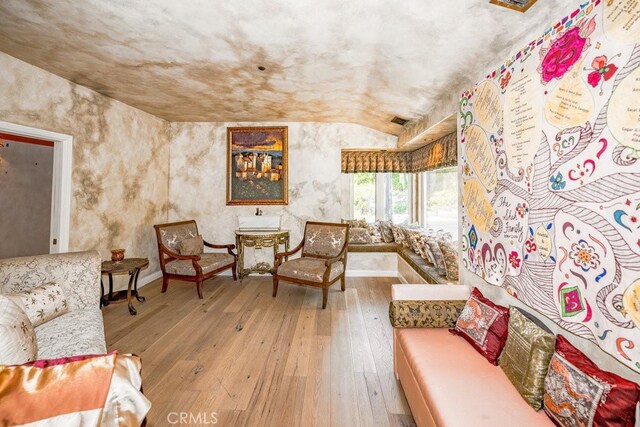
550,163
257,166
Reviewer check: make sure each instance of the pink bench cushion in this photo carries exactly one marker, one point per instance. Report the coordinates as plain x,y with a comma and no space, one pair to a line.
460,386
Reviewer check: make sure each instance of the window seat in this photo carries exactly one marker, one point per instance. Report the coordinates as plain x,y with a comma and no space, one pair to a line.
418,266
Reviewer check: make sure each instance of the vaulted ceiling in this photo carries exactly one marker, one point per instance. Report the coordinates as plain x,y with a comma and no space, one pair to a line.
358,61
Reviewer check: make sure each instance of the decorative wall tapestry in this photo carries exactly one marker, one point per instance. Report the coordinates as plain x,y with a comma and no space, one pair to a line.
257,166
550,144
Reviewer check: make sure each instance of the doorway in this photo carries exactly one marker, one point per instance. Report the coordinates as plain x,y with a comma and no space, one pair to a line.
52,151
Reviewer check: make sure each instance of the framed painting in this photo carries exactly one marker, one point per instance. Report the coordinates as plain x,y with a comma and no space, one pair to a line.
519,5
257,166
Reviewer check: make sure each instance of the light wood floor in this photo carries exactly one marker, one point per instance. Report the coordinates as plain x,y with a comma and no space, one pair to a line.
255,360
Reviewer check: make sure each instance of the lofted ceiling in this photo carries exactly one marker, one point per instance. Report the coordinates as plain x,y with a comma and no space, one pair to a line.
357,61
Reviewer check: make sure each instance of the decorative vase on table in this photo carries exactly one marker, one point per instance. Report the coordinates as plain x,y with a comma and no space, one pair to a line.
117,255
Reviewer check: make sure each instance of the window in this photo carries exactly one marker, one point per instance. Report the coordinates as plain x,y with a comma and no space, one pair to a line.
364,196
440,200
382,196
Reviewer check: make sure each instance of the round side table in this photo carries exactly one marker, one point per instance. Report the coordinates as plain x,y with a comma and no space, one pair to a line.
130,266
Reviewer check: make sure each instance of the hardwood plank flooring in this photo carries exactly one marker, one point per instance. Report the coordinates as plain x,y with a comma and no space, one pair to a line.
254,360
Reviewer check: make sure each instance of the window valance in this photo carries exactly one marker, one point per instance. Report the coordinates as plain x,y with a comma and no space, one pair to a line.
438,154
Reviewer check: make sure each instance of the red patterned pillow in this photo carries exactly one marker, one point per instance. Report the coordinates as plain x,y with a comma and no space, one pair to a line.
484,324
577,392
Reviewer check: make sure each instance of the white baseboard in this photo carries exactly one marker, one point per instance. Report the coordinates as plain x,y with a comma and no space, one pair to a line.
372,273
149,278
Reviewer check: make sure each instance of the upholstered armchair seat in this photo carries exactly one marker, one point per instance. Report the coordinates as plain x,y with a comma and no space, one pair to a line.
208,262
308,268
190,267
322,262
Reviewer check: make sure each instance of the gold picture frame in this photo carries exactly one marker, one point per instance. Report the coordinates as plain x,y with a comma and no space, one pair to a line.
519,5
257,169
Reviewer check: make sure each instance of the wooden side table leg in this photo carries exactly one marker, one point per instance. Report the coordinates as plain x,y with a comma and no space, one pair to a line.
132,309
104,301
135,287
110,287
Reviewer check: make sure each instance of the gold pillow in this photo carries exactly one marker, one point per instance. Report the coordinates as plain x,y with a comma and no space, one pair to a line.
526,356
425,314
192,246
42,303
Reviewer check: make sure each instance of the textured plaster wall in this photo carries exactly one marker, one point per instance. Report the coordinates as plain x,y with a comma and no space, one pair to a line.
317,188
120,157
26,172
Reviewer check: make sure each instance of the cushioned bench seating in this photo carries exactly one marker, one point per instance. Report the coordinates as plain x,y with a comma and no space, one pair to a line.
425,270
446,381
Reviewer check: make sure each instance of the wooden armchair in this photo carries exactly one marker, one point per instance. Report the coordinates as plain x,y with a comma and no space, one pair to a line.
192,268
323,260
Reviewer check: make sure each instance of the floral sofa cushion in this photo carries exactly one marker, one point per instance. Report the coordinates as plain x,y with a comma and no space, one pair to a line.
208,262
72,334
77,273
44,303
311,269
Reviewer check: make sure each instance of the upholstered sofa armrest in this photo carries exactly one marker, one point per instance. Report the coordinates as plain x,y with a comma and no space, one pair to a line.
78,274
427,306
430,292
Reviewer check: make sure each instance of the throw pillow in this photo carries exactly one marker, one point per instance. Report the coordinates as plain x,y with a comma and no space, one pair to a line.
484,325
42,303
425,314
355,223
17,338
359,236
577,392
386,228
436,253
398,235
449,251
526,355
192,246
374,232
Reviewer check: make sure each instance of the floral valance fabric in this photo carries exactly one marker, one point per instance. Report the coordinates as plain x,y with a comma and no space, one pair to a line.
438,154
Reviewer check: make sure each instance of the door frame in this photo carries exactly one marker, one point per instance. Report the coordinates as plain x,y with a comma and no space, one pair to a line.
61,182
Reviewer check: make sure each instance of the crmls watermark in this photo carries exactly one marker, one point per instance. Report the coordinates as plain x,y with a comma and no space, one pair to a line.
193,418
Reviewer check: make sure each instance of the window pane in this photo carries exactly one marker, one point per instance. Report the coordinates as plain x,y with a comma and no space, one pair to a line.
364,196
441,200
398,197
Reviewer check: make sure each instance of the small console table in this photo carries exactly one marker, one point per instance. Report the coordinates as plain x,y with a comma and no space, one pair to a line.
259,239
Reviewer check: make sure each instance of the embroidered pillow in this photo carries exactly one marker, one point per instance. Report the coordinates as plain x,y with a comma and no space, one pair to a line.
192,246
449,251
425,314
484,325
17,338
577,392
386,229
42,303
355,223
526,355
398,235
374,232
431,242
359,236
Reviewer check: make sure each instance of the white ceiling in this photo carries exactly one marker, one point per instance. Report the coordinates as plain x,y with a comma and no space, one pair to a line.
358,61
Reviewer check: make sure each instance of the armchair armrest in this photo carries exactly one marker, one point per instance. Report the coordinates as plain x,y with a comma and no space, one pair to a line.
280,255
450,292
229,247
339,257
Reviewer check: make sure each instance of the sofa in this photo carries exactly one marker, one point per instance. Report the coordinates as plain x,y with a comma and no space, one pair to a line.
79,331
446,381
